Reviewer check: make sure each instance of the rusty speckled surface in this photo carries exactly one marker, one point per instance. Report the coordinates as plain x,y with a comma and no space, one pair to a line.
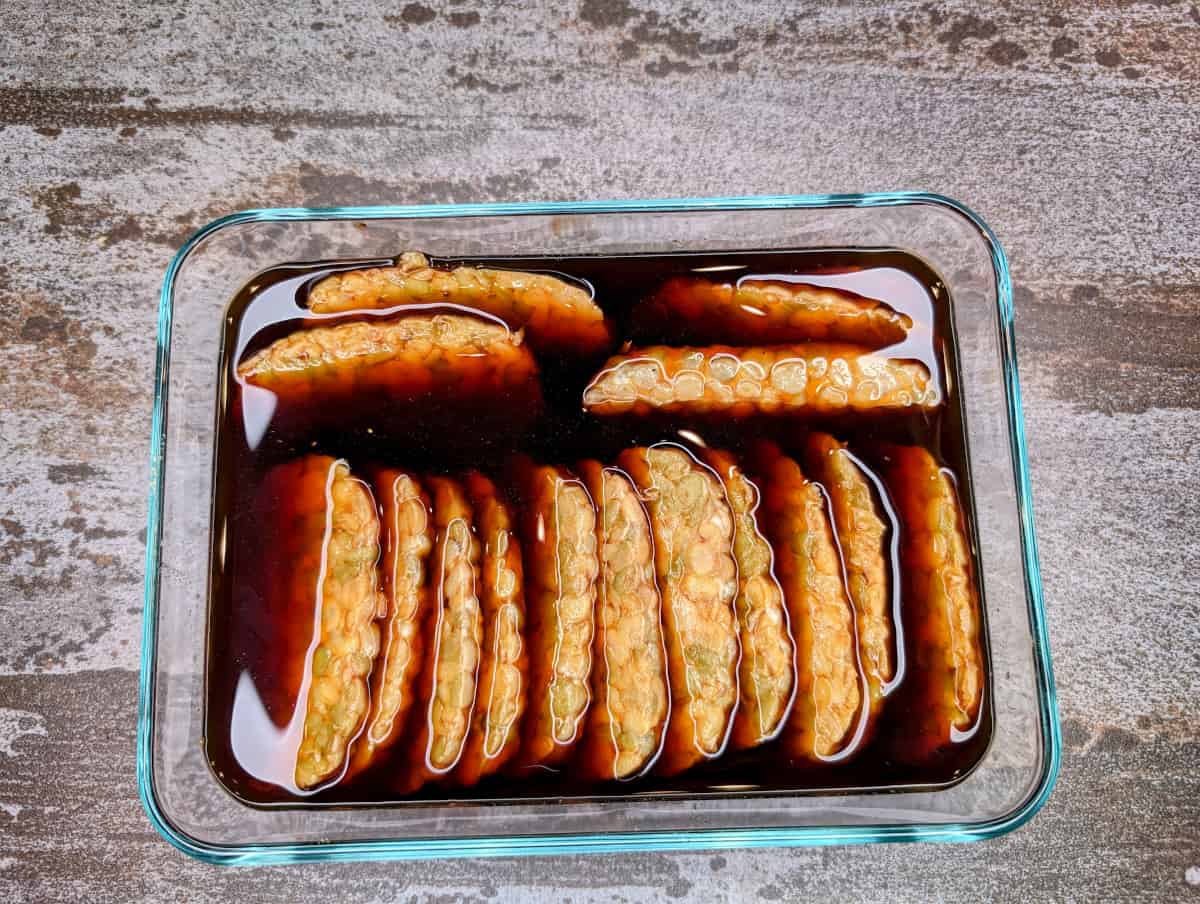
1072,128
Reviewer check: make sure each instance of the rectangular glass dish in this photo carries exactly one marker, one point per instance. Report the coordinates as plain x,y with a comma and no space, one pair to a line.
190,806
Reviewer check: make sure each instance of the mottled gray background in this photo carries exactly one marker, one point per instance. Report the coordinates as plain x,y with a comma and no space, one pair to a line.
1072,128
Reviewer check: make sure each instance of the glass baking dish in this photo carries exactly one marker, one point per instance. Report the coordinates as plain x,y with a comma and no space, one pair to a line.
193,811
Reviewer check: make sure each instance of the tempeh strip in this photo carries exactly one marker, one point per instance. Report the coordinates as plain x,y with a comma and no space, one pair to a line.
767,675
860,534
556,315
941,604
736,382
561,568
631,698
407,543
829,686
404,358
494,735
318,588
693,534
454,637
766,312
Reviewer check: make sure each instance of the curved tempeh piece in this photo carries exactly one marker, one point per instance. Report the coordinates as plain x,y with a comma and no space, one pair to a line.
736,382
495,730
631,697
454,637
693,538
561,567
767,312
555,314
941,604
457,357
407,543
860,533
767,675
829,687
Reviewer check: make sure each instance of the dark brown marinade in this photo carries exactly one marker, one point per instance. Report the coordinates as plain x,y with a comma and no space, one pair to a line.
426,437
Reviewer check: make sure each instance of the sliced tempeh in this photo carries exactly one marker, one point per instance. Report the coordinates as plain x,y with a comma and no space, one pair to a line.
766,312
556,315
829,687
941,604
407,543
784,379
494,735
458,357
454,638
317,601
561,568
693,534
631,698
767,675
861,534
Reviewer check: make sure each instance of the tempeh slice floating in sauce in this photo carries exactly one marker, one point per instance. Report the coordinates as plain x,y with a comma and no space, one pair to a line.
407,543
737,382
494,734
693,538
561,567
861,536
941,604
318,585
766,312
454,636
767,675
631,698
417,356
829,687
556,315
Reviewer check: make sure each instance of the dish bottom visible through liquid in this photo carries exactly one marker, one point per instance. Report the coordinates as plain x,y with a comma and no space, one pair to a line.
251,748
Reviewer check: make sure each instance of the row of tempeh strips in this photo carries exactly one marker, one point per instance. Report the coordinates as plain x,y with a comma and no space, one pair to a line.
649,614
799,349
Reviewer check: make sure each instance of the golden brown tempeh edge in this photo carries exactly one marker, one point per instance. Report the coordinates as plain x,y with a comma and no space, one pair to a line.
697,576
558,316
827,714
861,534
766,312
407,543
767,674
503,683
454,637
346,547
630,690
814,379
941,602
561,571
456,357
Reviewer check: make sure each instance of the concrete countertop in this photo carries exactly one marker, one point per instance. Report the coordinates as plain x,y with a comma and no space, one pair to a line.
1072,129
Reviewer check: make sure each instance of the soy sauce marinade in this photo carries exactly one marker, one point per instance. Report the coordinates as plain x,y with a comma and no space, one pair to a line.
251,746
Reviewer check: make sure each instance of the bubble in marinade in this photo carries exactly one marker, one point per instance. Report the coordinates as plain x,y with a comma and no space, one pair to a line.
454,639
631,696
407,543
767,675
737,382
317,592
861,535
945,677
556,315
561,568
494,735
829,692
767,312
460,359
693,536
